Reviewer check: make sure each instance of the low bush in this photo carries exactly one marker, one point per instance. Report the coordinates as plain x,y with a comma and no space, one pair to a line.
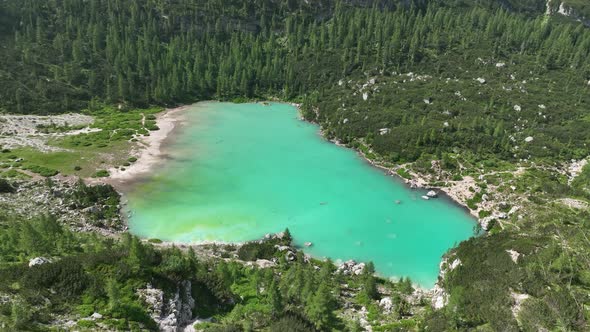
86,324
292,323
6,187
457,177
43,171
102,173
252,251
404,173
484,213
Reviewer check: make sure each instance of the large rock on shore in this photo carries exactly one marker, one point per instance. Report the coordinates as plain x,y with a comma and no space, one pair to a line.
351,267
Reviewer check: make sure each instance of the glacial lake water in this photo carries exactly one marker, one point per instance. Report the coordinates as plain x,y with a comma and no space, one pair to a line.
239,171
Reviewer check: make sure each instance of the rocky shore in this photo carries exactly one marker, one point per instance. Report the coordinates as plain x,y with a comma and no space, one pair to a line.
458,192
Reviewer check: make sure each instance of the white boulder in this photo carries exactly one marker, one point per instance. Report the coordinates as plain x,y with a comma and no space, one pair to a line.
386,304
96,316
456,263
38,261
264,263
440,298
513,255
350,267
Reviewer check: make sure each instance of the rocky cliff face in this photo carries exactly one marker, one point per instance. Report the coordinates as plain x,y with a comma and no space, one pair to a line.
172,313
554,7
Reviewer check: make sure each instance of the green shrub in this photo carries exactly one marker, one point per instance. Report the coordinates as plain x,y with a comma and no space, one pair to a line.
404,173
12,173
505,207
6,187
457,177
117,324
77,168
224,328
240,100
291,323
132,159
65,276
252,251
484,213
102,173
85,310
43,171
86,324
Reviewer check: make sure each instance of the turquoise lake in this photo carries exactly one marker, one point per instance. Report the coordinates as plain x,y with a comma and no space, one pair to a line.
240,171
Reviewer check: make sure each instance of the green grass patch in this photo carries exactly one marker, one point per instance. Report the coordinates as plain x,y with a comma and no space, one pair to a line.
88,152
41,170
484,213
14,174
404,173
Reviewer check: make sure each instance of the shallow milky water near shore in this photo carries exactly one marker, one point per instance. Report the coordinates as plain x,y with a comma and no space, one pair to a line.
239,171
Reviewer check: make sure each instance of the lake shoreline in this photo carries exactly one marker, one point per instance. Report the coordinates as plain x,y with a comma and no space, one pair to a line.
150,150
418,181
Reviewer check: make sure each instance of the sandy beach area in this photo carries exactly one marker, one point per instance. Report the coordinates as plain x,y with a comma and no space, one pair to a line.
149,150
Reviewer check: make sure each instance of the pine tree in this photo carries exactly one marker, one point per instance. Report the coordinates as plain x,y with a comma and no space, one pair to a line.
369,282
319,308
275,300
113,294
